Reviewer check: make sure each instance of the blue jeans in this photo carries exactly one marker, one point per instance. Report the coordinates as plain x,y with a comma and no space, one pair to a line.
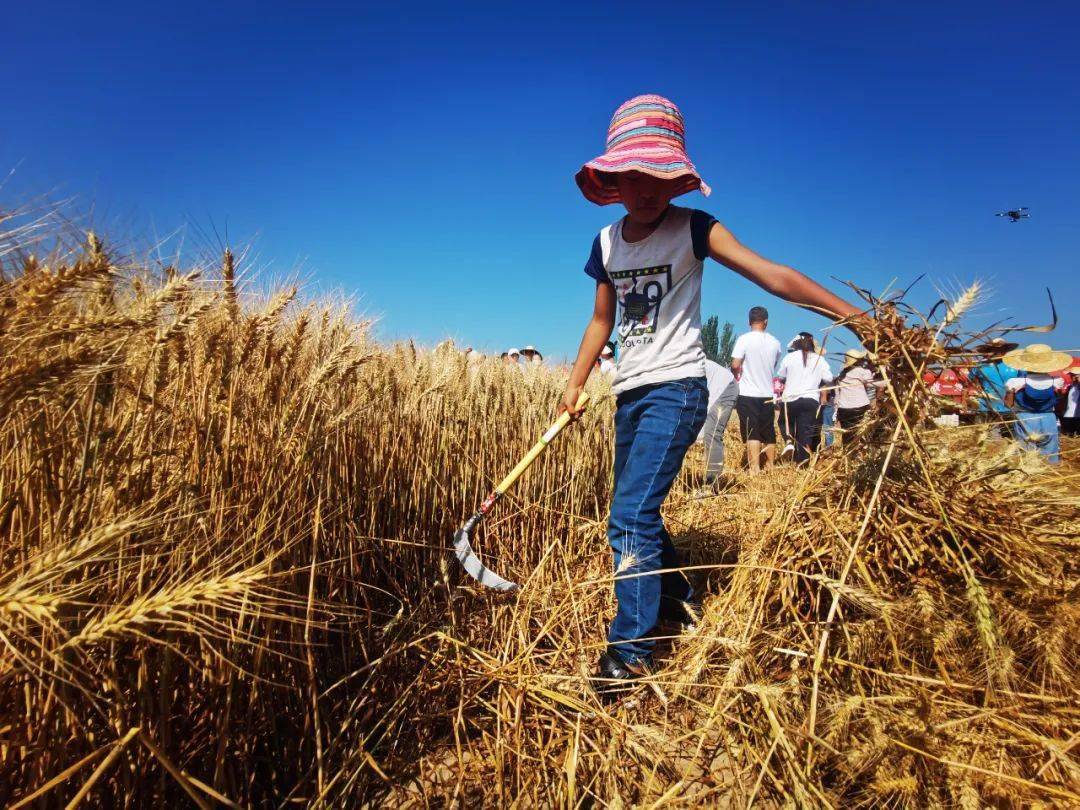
828,418
1038,431
654,427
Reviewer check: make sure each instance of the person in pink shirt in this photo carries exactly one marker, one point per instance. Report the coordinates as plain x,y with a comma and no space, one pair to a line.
856,388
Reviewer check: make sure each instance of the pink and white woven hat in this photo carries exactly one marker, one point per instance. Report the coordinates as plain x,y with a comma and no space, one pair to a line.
646,135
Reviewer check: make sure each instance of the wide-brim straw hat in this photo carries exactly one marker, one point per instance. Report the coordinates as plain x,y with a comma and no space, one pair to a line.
647,135
853,356
1038,357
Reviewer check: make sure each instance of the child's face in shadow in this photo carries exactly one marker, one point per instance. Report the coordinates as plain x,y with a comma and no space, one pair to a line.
645,197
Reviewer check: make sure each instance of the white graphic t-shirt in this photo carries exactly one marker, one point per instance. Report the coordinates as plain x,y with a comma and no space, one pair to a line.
759,352
658,283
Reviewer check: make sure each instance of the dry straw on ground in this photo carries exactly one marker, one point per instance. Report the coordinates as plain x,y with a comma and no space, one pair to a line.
224,580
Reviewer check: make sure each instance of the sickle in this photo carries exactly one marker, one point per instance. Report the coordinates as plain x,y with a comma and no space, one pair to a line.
463,549
1050,327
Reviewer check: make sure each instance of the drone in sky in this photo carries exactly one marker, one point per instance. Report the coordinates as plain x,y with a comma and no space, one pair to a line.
1016,214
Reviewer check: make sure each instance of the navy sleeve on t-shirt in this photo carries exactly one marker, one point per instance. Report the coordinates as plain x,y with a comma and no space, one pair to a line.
595,265
700,225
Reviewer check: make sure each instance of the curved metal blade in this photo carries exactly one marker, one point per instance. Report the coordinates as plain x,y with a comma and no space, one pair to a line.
476,569
1050,327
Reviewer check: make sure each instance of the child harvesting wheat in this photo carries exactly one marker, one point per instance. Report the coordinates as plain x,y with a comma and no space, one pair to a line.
648,265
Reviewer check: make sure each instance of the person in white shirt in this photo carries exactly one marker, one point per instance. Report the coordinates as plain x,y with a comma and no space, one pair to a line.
723,391
1070,420
754,359
607,360
782,422
531,355
804,371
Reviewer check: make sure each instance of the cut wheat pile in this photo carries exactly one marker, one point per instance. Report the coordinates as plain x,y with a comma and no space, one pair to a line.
224,530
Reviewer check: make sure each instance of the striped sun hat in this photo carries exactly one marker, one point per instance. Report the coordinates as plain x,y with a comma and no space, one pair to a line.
646,135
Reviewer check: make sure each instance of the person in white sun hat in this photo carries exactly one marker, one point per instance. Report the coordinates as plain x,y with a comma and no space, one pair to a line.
531,355
804,372
1032,395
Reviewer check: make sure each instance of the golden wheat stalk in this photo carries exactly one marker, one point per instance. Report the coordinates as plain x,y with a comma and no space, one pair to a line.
168,604
965,301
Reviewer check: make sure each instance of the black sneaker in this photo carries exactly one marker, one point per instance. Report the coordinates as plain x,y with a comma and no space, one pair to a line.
715,484
679,616
616,677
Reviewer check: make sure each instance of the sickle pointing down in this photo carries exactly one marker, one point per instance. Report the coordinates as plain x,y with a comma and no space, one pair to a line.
462,549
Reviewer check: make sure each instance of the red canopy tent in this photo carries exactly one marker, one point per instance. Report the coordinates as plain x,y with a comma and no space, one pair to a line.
949,383
954,384
1074,369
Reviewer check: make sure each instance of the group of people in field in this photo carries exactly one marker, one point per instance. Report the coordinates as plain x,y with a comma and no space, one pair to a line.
794,394
521,358
530,355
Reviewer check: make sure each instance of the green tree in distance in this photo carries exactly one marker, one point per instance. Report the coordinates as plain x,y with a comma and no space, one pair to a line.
718,342
710,337
725,344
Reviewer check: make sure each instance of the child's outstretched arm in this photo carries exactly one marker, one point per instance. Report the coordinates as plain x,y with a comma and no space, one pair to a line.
782,281
596,335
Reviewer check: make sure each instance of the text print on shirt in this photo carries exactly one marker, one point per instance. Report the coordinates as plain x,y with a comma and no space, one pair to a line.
641,293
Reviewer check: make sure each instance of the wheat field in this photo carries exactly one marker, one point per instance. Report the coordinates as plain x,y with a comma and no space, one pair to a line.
224,533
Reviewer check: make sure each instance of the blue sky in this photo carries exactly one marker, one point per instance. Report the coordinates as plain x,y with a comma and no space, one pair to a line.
422,160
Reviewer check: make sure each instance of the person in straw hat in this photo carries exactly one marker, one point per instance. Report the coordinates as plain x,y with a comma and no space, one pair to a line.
647,269
856,388
1032,395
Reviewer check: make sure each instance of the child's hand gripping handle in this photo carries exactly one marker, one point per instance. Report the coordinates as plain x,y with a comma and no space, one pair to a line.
538,448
